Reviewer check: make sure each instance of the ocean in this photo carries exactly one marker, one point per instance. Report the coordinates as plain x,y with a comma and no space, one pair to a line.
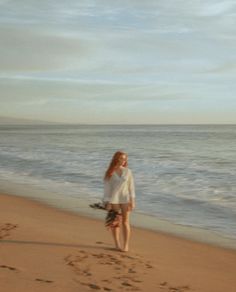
185,174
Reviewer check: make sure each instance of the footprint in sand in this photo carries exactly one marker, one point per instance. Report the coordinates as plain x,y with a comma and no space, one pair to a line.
43,280
8,268
179,289
16,270
6,228
164,285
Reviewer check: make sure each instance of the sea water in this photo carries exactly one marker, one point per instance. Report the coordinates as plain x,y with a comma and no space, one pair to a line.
185,174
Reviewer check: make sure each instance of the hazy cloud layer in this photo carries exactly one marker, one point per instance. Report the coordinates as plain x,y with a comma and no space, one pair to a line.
105,61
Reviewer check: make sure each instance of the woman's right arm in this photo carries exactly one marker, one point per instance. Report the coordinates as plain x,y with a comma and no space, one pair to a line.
106,196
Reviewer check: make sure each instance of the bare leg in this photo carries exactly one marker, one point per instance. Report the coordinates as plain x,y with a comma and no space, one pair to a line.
125,225
116,230
116,236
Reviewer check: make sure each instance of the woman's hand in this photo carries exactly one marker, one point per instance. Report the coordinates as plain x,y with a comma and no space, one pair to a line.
131,205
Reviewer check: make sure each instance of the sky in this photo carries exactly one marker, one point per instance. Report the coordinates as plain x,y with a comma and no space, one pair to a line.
119,62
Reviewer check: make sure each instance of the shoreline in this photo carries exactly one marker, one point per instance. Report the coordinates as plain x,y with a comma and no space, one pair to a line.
43,248
81,207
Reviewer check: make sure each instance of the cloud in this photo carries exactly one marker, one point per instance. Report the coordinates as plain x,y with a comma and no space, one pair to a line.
217,8
100,56
26,49
226,68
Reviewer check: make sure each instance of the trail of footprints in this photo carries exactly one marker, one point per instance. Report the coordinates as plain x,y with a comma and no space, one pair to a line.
123,268
5,231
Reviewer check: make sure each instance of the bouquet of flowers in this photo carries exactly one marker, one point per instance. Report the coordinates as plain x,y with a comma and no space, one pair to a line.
113,218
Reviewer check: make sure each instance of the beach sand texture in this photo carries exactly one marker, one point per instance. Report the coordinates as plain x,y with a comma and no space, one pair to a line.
47,249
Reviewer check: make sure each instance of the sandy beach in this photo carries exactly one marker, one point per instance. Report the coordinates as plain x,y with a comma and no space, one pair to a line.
47,249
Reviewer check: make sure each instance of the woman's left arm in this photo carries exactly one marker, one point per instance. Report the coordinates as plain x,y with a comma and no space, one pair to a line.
131,191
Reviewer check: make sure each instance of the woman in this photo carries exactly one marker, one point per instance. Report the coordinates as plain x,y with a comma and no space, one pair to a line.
119,195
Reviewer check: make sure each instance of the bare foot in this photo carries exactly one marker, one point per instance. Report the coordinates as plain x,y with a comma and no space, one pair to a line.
125,249
118,248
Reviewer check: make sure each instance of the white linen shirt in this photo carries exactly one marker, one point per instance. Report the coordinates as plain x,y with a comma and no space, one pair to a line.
119,189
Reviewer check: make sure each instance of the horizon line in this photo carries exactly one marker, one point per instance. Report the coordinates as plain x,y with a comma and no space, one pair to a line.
46,123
